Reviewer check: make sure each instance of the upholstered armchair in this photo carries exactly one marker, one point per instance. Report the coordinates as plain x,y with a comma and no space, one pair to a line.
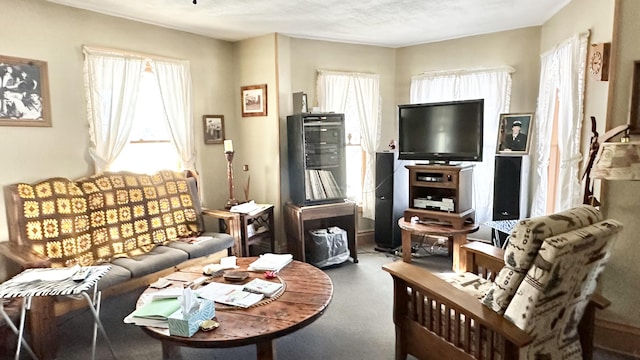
533,300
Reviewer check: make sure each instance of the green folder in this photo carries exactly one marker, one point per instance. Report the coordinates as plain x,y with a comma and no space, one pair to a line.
158,309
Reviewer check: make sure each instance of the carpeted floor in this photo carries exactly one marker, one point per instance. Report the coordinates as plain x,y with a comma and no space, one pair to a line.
356,325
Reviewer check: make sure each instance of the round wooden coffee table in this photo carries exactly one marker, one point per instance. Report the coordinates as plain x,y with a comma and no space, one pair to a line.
307,294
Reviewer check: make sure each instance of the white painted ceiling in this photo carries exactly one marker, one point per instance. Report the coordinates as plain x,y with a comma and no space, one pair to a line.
386,23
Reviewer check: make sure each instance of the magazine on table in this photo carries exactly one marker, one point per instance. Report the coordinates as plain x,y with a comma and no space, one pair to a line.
259,286
228,294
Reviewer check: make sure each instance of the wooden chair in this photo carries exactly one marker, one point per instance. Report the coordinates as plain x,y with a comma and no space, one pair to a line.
539,303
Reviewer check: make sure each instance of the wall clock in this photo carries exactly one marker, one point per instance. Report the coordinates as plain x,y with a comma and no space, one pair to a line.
598,61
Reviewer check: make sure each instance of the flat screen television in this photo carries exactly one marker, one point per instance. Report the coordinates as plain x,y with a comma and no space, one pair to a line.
441,132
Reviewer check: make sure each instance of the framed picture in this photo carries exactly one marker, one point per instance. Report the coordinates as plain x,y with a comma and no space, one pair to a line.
634,111
24,92
514,135
254,100
213,129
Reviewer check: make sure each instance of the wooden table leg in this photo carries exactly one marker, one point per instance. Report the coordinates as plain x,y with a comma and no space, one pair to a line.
266,350
406,246
459,256
171,351
44,339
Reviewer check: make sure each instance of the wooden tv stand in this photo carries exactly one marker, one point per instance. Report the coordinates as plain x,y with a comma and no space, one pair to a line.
441,195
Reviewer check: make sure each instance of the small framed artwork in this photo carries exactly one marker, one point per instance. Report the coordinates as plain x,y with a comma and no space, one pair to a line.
213,129
254,100
24,92
514,135
634,111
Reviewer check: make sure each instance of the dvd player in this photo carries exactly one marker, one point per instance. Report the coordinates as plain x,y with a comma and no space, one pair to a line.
446,204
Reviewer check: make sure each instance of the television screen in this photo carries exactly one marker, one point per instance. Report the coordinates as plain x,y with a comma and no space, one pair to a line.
441,132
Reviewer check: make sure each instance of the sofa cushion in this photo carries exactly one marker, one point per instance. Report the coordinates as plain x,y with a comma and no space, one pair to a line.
523,246
218,242
115,275
160,258
552,298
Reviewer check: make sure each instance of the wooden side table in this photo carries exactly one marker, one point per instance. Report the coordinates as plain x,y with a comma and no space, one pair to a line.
261,218
457,238
298,220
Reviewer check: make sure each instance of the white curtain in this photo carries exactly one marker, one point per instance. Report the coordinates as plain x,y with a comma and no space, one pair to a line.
494,86
562,74
174,80
334,90
111,83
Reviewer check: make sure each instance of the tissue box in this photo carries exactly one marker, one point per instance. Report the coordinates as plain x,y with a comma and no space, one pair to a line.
179,326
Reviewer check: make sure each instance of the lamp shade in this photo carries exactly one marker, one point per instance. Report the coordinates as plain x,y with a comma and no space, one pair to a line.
617,161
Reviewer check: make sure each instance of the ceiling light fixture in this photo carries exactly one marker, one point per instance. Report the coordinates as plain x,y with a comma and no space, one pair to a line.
195,2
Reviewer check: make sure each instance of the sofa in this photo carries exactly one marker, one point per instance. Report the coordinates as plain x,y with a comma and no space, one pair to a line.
141,225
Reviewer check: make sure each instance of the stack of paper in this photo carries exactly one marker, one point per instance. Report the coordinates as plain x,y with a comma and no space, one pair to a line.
271,262
259,286
154,313
228,294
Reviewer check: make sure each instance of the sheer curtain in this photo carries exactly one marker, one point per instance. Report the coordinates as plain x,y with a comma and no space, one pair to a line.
174,80
562,74
494,86
335,91
111,83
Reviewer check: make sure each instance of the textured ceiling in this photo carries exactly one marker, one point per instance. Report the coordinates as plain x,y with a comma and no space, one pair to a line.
372,22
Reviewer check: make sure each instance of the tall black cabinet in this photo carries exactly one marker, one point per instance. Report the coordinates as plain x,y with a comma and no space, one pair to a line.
392,196
317,164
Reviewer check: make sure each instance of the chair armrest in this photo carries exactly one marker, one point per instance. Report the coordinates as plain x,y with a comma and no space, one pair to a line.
432,288
232,223
483,259
220,214
599,301
23,256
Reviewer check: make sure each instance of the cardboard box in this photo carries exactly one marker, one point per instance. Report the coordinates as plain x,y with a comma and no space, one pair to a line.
179,326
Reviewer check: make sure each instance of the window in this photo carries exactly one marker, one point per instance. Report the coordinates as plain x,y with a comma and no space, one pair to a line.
357,96
149,148
140,111
355,158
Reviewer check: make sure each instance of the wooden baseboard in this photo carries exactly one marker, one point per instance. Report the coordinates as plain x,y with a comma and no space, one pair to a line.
616,337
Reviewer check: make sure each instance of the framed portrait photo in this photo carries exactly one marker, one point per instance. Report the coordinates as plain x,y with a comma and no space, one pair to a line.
254,100
514,135
213,129
24,93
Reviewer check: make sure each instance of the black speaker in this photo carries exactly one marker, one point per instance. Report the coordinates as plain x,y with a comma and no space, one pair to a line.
392,194
510,188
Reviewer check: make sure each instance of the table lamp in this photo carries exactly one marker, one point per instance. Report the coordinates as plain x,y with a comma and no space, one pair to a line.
617,161
596,147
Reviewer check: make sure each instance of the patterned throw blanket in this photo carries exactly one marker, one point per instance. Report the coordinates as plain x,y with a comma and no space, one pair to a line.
96,219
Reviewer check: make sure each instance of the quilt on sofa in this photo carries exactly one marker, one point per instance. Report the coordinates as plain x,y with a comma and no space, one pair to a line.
99,218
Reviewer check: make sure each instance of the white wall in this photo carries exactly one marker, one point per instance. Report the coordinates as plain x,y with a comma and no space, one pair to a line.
308,56
516,48
620,199
40,30
257,137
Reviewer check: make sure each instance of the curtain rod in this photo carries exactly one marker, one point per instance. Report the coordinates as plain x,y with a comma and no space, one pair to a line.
345,72
584,34
97,49
506,68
